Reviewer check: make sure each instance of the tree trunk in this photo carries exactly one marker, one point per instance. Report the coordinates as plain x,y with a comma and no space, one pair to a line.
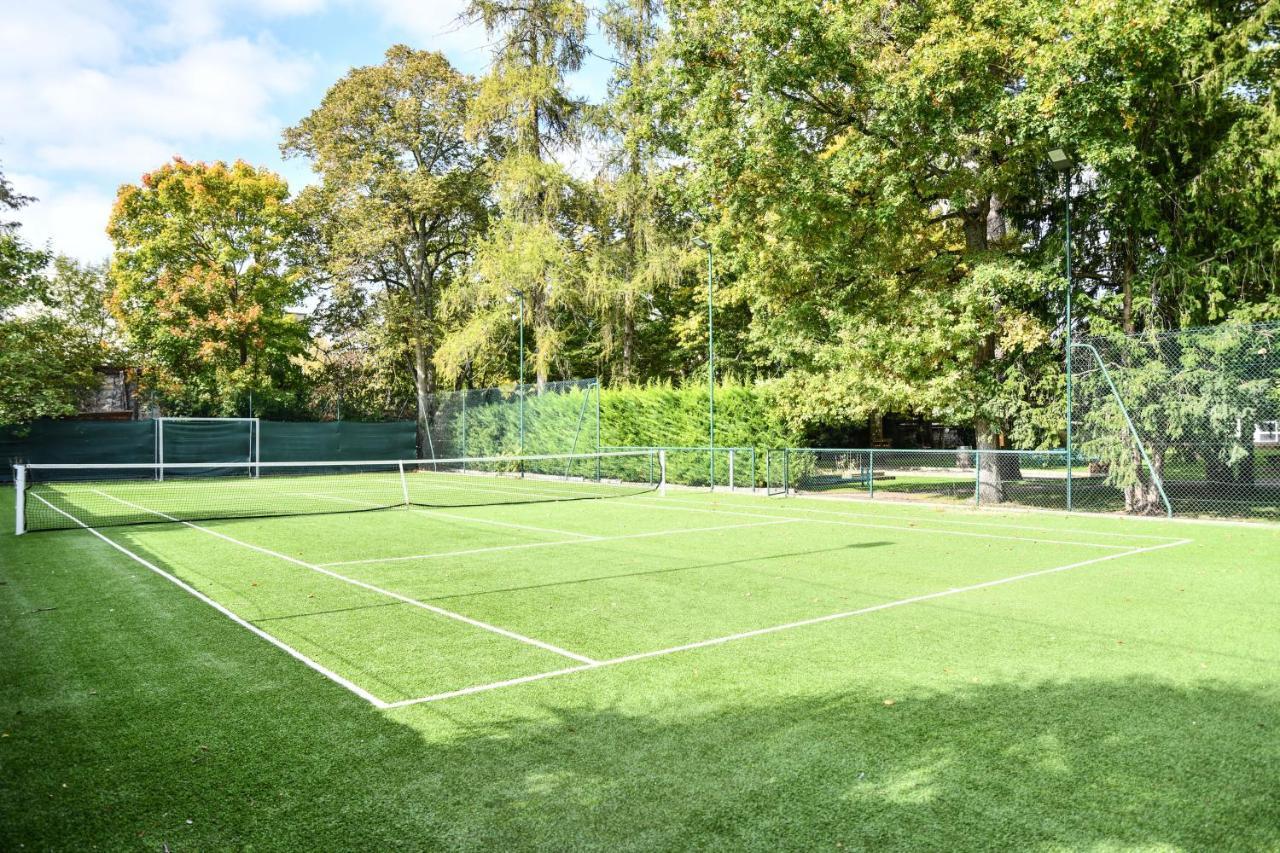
1143,498
424,381
990,479
983,223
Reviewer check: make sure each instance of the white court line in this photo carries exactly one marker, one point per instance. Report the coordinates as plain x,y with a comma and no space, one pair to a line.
413,602
687,506
418,511
999,524
469,551
183,585
716,641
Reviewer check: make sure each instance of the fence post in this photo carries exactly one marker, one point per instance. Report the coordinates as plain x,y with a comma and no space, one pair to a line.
977,477
871,473
662,472
786,471
732,452
753,471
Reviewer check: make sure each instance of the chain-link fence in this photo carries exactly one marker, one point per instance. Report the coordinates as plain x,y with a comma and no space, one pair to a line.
556,417
726,467
1183,423
1035,478
1186,422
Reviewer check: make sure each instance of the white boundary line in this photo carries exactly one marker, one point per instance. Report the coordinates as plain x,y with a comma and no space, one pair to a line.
413,602
901,602
522,545
688,506
892,517
186,587
437,514
967,506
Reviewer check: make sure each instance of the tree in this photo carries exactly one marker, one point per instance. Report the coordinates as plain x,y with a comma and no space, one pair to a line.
523,106
401,198
20,265
643,280
203,284
47,349
867,165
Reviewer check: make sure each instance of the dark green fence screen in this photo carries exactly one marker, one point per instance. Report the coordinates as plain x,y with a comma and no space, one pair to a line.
60,442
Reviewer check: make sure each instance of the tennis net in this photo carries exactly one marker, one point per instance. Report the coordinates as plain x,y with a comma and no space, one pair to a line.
52,497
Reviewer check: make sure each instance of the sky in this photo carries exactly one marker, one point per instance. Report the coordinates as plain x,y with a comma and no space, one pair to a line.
94,94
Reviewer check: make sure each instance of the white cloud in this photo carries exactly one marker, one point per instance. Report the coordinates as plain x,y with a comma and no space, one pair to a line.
39,36
222,90
70,221
437,25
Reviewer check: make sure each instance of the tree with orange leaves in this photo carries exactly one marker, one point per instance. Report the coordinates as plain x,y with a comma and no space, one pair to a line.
202,283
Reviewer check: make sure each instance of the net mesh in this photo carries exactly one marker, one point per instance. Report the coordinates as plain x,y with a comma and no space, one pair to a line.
66,496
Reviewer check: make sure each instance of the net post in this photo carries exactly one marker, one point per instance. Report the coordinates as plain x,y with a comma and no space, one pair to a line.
662,472
20,499
160,451
404,483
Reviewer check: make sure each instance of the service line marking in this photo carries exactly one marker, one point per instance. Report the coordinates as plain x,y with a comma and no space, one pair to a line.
773,629
413,602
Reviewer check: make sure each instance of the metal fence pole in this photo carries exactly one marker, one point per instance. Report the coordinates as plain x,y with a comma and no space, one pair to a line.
977,477
871,473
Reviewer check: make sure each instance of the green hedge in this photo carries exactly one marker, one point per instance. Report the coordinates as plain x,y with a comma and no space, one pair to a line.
638,416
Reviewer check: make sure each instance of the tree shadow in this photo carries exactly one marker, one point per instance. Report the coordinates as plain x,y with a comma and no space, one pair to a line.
1078,764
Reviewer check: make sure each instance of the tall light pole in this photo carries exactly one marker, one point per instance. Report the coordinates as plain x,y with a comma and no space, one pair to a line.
1061,162
519,295
711,361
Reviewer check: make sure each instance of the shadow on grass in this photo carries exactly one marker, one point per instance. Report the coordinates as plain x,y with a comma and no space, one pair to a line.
150,719
1081,764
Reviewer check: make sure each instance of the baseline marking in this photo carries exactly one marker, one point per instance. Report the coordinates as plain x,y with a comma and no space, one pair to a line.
715,641
243,623
390,594
523,545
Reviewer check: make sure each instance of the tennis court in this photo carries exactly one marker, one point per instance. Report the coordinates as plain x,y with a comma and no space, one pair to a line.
477,577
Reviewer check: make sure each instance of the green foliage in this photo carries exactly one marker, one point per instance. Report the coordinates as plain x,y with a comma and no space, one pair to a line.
45,368
655,415
203,284
394,220
20,265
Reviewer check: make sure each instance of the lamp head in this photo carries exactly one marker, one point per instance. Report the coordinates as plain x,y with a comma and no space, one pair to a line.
1060,159
700,243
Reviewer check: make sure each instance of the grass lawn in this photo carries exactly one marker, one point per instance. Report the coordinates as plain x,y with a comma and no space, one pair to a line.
691,671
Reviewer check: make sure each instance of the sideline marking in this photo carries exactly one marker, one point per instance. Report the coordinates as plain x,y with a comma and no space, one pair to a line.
186,587
715,641
404,598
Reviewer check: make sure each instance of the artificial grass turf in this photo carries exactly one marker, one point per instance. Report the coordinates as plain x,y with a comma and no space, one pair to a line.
1132,703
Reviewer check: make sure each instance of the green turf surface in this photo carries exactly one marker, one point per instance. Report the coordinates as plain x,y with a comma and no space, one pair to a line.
1131,702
